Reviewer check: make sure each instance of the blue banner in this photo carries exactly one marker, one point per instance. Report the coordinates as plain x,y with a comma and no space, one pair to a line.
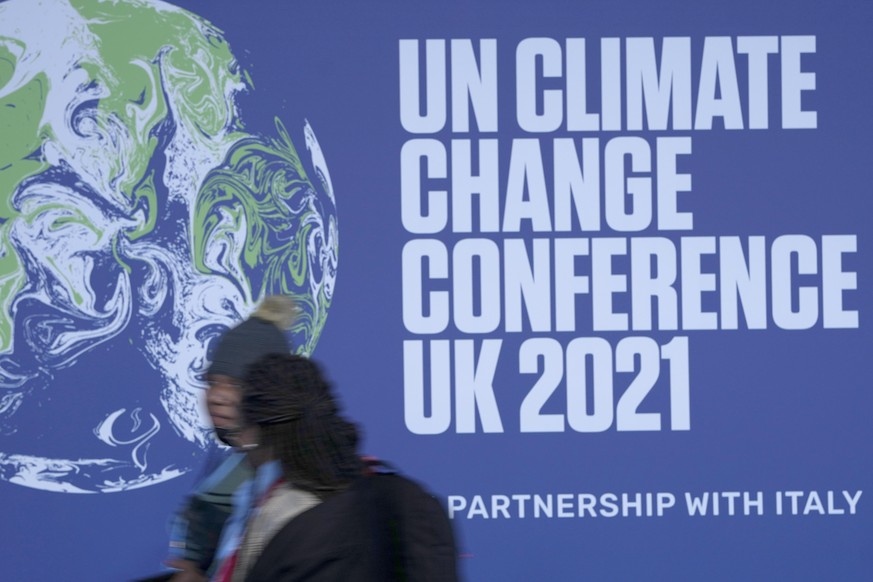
594,272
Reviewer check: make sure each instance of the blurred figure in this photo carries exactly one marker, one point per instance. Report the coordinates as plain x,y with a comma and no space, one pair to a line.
196,530
312,511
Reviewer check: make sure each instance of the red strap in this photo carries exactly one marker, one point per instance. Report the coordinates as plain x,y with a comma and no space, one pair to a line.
225,572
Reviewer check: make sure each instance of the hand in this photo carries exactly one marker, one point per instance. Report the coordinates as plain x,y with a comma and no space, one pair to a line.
188,571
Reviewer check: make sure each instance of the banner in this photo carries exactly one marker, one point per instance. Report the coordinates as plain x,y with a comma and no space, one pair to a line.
594,272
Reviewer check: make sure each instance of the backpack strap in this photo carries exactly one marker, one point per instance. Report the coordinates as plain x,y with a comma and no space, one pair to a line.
416,535
374,465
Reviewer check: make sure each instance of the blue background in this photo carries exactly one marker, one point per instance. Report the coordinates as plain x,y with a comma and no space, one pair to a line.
771,409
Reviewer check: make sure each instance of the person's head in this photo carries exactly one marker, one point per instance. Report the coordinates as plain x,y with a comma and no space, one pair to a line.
291,404
236,350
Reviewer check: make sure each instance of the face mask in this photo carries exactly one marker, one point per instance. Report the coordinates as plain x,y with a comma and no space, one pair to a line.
225,435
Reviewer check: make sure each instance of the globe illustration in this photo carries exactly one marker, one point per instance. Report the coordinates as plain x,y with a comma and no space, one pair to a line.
139,219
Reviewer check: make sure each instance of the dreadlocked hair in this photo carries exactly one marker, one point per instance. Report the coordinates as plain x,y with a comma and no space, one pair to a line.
288,398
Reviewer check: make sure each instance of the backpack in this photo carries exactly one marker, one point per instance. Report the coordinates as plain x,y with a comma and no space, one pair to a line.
414,527
384,527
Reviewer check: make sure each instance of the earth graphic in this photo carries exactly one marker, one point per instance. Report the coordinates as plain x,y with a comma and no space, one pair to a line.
139,219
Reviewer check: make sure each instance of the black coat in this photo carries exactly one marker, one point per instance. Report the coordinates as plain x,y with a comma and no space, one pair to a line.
384,527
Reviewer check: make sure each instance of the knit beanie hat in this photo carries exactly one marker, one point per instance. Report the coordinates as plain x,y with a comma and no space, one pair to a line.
259,335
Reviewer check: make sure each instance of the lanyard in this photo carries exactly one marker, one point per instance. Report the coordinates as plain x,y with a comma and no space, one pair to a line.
225,572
